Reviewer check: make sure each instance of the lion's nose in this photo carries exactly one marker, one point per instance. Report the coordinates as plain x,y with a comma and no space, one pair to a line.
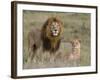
55,30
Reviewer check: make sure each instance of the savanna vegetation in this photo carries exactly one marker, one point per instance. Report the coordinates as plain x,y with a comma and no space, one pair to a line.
75,25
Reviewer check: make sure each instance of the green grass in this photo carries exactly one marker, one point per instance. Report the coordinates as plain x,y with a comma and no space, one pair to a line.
75,24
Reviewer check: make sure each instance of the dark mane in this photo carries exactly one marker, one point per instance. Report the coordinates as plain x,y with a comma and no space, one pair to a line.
46,41
47,45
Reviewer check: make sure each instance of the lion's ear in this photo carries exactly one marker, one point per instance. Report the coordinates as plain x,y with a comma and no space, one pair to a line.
58,18
78,39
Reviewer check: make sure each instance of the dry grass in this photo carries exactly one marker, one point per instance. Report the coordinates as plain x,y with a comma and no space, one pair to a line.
75,24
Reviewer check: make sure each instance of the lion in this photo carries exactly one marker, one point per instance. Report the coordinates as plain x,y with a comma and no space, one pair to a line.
51,34
48,37
34,41
75,54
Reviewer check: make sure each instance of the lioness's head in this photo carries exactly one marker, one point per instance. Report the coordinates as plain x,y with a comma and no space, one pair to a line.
76,43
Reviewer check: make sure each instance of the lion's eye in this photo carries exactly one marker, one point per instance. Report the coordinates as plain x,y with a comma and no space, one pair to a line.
52,27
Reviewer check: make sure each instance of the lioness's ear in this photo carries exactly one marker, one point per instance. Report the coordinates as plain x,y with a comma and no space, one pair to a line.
79,40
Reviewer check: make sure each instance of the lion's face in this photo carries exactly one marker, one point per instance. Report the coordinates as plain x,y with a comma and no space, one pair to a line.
54,27
76,43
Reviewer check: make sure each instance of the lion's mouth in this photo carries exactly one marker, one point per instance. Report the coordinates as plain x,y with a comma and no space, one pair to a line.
55,33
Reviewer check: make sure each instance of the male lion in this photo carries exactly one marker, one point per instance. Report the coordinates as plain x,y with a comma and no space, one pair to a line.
34,41
51,34
48,37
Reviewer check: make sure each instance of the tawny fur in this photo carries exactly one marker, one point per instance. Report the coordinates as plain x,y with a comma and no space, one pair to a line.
43,38
51,43
75,54
34,41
